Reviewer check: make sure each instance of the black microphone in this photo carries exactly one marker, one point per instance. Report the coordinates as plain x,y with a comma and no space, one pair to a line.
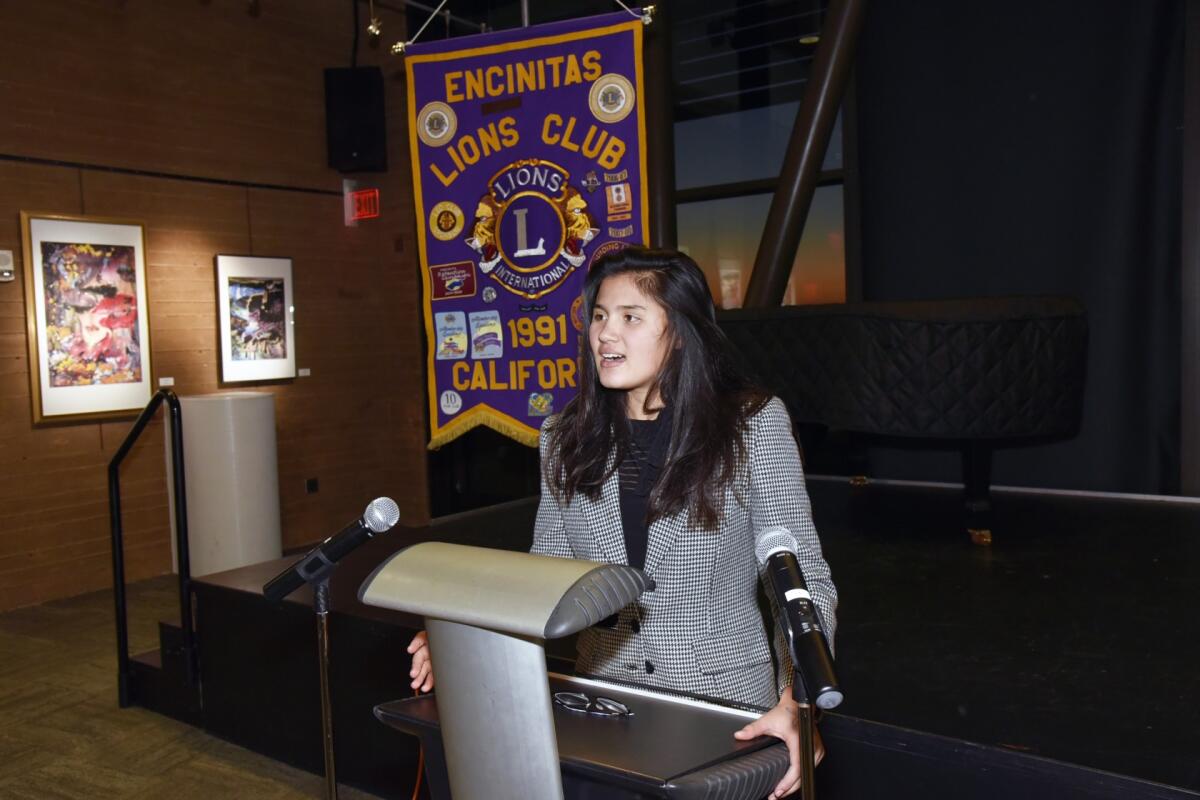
775,549
380,516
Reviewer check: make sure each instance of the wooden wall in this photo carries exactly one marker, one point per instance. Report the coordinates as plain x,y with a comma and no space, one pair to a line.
234,105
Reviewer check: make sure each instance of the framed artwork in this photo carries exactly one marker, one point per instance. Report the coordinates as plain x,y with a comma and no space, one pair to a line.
86,317
255,318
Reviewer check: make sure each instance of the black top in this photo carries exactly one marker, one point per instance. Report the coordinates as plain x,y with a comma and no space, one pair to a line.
638,471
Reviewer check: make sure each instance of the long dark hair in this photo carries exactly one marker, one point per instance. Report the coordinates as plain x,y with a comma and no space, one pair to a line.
709,397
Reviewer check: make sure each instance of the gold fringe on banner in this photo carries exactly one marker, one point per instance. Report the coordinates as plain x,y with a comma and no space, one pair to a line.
482,415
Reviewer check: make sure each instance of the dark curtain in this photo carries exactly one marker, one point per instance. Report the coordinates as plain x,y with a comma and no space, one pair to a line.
1013,148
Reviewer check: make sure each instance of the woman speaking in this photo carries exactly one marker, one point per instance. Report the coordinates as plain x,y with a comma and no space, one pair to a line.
670,460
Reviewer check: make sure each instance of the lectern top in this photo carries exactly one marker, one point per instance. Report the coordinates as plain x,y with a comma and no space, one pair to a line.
670,747
520,593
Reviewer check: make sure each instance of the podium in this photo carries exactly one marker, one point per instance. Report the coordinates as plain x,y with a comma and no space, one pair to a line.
488,613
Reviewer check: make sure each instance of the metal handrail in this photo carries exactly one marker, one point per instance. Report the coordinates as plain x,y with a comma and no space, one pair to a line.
181,541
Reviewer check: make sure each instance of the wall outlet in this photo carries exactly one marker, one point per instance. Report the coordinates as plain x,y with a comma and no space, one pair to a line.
311,486
166,381
8,269
303,372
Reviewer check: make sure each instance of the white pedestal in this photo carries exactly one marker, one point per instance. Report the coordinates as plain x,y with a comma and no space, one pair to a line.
232,480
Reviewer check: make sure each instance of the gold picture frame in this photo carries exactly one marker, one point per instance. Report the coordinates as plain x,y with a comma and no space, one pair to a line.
86,316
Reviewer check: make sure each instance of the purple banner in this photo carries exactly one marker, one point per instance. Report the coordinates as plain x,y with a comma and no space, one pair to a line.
528,157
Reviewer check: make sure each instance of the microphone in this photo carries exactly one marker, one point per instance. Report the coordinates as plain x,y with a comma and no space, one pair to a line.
381,514
775,549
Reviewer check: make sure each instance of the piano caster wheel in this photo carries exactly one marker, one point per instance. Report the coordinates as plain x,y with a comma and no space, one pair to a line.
980,536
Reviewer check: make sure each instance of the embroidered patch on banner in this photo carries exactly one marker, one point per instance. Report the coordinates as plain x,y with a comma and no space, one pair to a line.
448,281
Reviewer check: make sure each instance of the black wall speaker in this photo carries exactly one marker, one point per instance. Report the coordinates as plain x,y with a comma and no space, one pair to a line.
355,123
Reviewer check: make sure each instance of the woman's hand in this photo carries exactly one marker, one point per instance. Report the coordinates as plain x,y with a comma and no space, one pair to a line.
782,722
422,664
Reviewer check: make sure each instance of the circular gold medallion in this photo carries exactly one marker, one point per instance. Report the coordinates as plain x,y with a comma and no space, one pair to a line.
611,98
436,124
446,221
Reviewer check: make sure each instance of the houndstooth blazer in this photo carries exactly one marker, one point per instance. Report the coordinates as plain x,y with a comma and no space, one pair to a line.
701,629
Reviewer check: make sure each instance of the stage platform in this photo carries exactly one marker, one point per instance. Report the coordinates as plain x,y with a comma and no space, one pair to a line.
1059,662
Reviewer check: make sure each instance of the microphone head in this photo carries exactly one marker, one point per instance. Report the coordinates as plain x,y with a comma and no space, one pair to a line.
381,514
774,540
830,699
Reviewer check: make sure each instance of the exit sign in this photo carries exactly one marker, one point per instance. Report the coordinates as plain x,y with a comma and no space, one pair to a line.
358,202
364,204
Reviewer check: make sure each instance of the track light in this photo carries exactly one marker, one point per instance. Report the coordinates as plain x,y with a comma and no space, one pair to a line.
376,26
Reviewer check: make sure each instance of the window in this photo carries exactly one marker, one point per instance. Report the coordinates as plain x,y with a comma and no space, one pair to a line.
723,235
739,74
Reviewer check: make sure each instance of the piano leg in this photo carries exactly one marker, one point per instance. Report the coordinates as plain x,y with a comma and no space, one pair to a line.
977,479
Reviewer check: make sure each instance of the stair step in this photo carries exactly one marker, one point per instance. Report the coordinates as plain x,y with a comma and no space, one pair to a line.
151,659
161,685
170,632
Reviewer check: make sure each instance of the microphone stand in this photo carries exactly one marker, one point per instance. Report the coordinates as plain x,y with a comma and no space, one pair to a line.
318,578
321,607
315,569
806,720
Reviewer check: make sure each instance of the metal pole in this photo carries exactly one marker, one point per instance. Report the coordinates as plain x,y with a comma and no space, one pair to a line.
805,153
807,724
321,604
851,194
524,13
182,551
118,559
660,130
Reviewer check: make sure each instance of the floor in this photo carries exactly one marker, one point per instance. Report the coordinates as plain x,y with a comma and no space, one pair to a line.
1074,636
63,736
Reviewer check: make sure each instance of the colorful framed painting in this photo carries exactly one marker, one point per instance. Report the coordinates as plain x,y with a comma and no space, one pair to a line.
86,317
255,318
